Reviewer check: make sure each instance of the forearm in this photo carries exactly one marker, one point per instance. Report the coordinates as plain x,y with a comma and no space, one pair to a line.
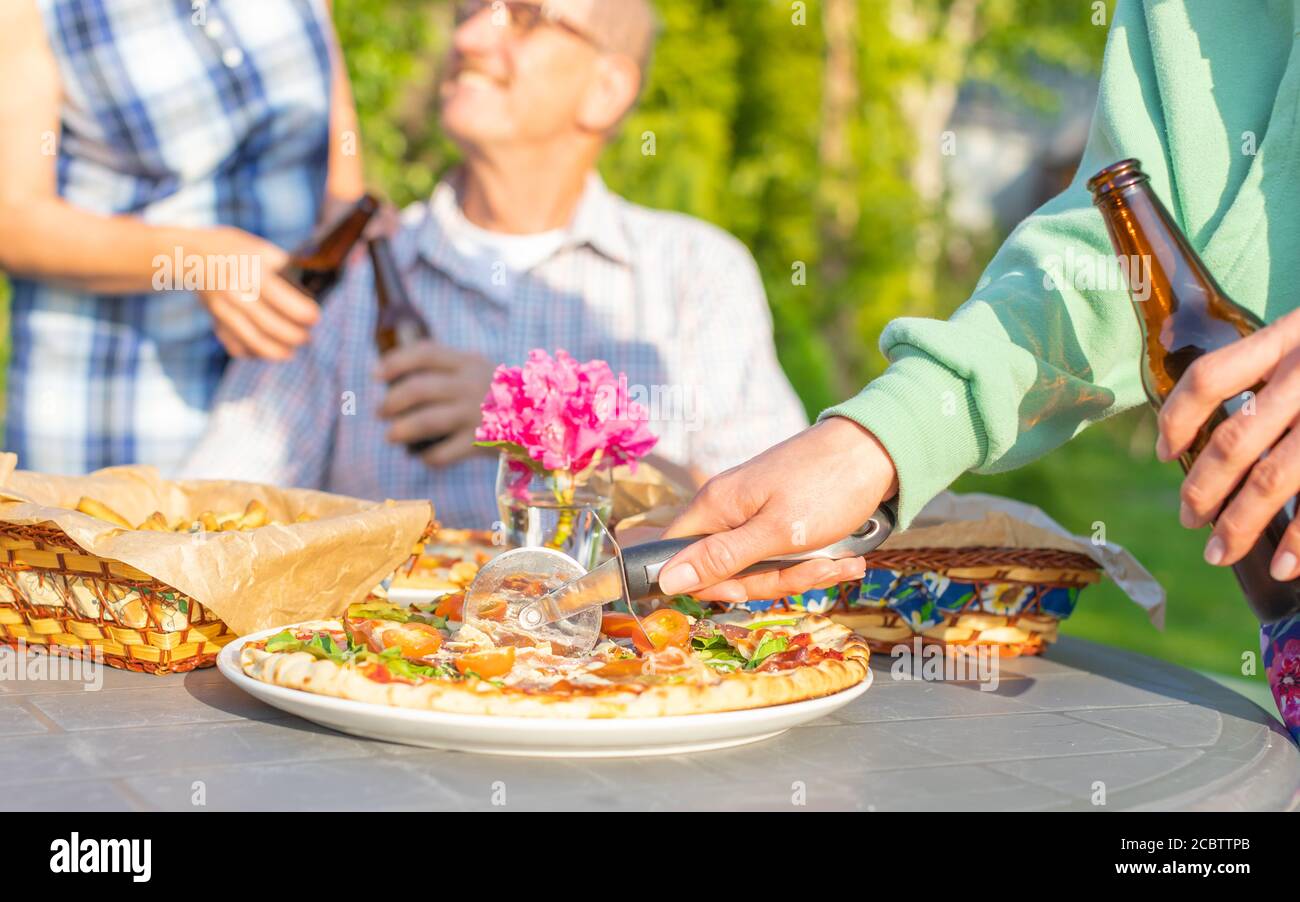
346,179
41,235
48,239
1018,371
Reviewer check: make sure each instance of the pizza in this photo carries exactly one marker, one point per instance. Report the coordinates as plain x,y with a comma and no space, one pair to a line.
670,663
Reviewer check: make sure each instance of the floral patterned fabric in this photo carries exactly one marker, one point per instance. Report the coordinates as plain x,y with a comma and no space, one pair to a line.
1280,644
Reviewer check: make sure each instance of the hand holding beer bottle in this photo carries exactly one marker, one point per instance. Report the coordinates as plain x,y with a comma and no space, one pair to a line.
1268,364
316,267
1226,388
434,391
271,318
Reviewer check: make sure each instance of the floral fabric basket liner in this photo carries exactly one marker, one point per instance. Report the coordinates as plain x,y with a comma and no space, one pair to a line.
163,602
977,570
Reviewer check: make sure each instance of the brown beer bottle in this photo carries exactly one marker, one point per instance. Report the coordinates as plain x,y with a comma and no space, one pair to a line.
317,266
1184,314
398,324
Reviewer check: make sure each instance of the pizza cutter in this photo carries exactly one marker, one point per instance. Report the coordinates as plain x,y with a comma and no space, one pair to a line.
514,579
545,595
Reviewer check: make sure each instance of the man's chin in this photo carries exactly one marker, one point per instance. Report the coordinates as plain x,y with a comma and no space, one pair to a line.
471,140
471,127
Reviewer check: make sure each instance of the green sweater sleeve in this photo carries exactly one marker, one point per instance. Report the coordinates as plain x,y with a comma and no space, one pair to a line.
1048,343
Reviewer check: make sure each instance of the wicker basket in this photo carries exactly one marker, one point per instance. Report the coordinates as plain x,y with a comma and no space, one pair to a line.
935,592
53,595
915,560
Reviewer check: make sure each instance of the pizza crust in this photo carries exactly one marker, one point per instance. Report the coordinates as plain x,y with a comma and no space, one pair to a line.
730,692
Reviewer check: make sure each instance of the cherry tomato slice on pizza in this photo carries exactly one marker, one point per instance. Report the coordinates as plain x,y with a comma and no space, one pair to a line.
451,606
619,626
495,662
414,639
664,628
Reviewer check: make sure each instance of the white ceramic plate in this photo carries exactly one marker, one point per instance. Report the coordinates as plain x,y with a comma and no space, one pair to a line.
535,736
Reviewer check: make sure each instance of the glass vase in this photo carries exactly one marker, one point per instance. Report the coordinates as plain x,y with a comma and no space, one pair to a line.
554,509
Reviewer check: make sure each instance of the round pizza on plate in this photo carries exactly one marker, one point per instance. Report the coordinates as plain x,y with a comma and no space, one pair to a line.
669,663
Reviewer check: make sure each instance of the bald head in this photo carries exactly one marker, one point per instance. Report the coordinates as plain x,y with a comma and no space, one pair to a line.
619,26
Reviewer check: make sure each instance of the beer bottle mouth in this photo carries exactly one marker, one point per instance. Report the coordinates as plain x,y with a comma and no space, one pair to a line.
1116,177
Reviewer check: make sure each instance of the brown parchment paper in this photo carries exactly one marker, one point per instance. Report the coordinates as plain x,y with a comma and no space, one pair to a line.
951,520
647,488
252,580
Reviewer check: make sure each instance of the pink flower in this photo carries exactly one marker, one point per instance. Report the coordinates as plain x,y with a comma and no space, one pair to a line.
1284,677
559,414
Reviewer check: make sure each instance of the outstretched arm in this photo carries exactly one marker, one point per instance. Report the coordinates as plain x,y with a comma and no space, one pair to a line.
1038,352
44,237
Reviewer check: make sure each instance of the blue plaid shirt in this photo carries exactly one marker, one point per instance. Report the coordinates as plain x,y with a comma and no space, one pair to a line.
187,114
675,303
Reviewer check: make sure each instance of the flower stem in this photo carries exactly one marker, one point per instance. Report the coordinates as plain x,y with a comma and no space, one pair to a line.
564,486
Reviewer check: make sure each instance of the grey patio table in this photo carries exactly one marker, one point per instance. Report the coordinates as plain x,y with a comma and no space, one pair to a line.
1086,723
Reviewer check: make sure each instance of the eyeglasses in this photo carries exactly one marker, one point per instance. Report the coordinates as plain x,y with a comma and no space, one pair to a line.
520,17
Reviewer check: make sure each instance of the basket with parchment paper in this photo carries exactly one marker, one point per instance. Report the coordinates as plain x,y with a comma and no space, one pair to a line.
168,594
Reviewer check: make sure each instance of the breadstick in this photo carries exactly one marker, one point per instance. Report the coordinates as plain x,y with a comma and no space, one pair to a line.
155,523
100,511
255,516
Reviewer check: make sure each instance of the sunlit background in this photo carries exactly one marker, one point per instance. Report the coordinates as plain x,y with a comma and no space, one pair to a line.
882,148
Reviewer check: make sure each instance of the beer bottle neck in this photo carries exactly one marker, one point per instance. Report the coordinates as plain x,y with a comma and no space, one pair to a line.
330,250
1183,312
1165,275
399,323
388,283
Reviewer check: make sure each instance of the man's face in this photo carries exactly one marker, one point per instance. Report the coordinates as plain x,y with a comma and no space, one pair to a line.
506,84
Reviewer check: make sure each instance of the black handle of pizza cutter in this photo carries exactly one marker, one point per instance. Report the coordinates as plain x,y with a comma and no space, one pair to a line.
642,563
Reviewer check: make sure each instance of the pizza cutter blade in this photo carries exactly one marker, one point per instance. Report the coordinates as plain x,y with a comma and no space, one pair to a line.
634,573
532,595
514,579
